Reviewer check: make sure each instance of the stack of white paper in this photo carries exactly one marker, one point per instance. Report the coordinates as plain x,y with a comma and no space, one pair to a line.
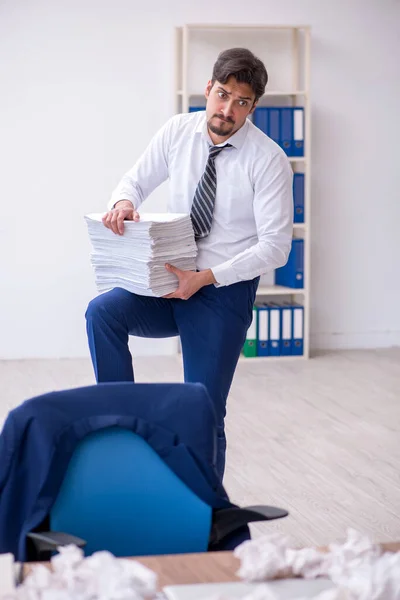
136,260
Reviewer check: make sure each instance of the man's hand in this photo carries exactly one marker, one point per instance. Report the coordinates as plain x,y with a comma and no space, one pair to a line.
189,282
123,211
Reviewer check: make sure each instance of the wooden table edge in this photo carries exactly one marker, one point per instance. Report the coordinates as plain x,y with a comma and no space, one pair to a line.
207,567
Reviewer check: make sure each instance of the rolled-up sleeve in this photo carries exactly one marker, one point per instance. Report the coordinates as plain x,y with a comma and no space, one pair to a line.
273,214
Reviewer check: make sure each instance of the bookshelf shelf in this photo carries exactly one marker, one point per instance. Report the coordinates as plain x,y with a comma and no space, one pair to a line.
257,359
250,26
277,290
297,159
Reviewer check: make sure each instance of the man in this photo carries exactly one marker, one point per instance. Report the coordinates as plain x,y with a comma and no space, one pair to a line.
236,183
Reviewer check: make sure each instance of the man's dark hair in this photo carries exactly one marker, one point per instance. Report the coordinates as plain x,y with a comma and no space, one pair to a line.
244,67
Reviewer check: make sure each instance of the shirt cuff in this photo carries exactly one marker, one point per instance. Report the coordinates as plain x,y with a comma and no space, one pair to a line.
224,275
115,199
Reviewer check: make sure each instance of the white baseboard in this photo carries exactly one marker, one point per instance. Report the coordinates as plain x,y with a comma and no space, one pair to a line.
352,341
170,346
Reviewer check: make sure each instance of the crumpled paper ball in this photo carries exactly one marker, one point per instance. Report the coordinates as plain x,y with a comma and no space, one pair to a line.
357,567
101,576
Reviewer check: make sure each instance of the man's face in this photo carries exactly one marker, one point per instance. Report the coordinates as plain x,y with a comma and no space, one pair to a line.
228,106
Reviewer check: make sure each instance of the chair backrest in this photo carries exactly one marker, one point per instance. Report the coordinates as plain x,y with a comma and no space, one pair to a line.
120,496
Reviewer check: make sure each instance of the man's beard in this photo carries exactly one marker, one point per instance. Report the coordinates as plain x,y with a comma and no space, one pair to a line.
223,130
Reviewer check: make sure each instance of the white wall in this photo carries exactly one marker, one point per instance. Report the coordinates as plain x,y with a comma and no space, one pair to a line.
83,86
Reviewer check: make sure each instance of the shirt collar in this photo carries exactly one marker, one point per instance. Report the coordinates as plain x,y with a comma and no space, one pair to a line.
236,140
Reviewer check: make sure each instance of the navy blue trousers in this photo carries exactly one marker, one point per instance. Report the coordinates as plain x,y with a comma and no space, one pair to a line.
212,326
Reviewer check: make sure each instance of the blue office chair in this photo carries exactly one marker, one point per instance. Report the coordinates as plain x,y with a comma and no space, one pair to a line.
119,495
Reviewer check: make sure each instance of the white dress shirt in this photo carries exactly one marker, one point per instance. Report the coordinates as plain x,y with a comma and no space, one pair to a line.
252,226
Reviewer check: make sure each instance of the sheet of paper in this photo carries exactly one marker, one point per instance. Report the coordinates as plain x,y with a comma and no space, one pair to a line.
7,574
284,589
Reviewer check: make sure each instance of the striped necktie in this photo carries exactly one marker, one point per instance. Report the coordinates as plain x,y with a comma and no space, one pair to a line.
204,197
